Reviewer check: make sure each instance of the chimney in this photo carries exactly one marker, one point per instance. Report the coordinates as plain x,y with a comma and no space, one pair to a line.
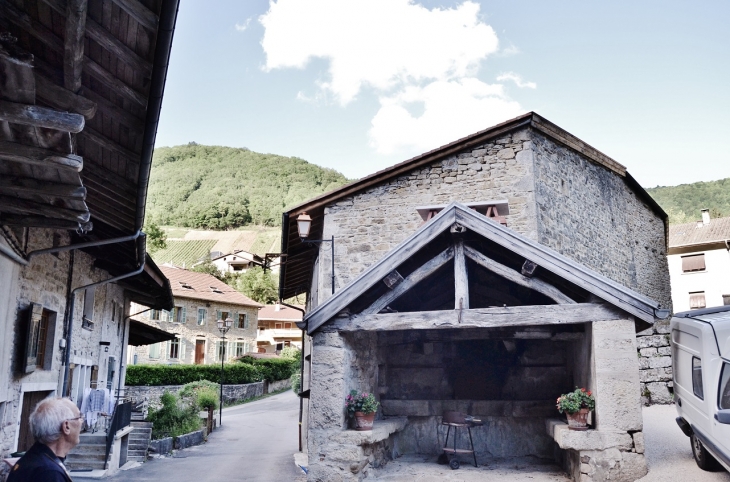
277,307
705,216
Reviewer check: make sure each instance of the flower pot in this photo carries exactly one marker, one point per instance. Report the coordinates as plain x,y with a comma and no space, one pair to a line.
363,421
578,420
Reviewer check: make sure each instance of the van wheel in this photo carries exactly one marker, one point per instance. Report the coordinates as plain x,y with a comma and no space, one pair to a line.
704,460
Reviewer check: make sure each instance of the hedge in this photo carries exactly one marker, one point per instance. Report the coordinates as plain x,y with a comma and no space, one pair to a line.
152,375
273,369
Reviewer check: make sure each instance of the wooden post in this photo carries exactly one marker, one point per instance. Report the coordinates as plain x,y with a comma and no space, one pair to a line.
461,278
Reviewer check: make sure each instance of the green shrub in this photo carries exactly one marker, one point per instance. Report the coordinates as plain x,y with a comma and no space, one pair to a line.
291,352
202,394
272,369
296,382
155,375
174,418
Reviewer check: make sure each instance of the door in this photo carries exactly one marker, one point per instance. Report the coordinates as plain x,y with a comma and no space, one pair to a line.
199,352
30,400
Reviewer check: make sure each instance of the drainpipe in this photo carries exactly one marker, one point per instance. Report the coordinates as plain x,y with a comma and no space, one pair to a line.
10,254
89,244
121,357
140,237
301,371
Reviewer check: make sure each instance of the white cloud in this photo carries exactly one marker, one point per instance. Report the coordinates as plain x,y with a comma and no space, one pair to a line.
243,26
517,79
509,51
379,43
452,109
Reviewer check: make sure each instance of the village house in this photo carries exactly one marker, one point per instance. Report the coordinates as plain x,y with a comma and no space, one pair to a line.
236,262
200,301
278,328
80,103
487,276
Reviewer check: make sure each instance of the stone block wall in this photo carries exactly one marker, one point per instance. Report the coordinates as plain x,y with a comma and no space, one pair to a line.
231,393
655,364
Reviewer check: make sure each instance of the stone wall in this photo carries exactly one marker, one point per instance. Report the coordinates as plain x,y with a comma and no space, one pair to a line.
190,331
231,393
655,364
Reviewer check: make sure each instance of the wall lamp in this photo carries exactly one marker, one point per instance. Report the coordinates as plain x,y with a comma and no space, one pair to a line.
304,224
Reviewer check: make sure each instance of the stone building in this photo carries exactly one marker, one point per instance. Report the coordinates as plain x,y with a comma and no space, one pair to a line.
200,300
575,220
81,100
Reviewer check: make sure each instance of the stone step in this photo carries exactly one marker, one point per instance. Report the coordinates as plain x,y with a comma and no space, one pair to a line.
134,458
136,453
89,449
141,446
141,424
86,464
95,438
81,457
141,431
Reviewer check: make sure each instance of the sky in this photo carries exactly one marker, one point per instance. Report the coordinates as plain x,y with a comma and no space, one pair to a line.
360,85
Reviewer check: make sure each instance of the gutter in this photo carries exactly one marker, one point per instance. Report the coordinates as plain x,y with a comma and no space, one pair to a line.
141,252
166,28
301,369
13,256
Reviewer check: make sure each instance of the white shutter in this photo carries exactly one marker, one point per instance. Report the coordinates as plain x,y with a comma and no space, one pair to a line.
182,350
184,314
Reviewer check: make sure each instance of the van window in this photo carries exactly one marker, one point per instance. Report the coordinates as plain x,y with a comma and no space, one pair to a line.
724,401
697,378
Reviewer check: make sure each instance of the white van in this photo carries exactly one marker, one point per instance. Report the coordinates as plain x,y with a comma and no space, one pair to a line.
701,364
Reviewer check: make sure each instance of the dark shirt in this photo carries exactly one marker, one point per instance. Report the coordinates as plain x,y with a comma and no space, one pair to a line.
39,464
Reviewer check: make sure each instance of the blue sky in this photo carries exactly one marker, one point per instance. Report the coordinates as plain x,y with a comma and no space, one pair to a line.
359,85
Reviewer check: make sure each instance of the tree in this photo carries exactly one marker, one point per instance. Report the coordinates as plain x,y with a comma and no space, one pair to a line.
258,285
156,237
208,267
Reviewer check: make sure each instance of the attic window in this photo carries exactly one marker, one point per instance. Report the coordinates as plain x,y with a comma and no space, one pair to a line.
185,285
497,210
215,289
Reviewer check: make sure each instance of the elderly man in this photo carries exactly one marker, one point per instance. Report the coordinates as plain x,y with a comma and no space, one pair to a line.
56,426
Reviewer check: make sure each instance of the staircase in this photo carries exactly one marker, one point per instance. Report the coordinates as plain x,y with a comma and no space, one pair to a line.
88,454
139,441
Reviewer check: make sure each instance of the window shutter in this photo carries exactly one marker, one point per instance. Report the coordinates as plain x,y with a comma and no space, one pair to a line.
218,315
184,315
35,311
693,263
245,320
182,350
234,317
697,300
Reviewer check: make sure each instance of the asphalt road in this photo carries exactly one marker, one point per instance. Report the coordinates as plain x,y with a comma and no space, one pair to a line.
255,443
668,451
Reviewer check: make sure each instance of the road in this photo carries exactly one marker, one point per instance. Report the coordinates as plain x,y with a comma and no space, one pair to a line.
255,443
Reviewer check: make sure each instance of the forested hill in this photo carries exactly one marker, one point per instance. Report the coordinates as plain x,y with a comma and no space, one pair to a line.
213,187
683,203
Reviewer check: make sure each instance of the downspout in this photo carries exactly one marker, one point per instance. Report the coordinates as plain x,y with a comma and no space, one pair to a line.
12,255
72,301
121,358
301,371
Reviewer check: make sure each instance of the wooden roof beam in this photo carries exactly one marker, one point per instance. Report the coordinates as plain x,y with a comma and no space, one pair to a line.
37,156
117,113
44,222
73,49
60,98
14,205
36,116
107,143
44,189
139,12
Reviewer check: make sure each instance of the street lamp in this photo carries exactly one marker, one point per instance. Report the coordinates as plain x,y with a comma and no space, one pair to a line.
223,327
304,224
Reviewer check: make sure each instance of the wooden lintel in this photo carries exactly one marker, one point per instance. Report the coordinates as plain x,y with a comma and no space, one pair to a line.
461,277
510,316
44,222
14,205
410,281
532,283
37,116
60,98
24,185
139,12
11,151
73,51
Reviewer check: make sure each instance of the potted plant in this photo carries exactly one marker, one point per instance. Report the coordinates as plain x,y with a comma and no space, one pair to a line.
576,405
361,407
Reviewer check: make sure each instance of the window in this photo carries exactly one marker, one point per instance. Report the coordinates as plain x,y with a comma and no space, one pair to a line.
42,340
697,378
202,314
179,314
221,315
724,393
726,300
155,315
155,350
697,300
240,348
287,326
220,350
242,320
695,262
174,352
89,303
278,326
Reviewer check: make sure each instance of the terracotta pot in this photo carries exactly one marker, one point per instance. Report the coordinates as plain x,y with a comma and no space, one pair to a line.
363,421
578,420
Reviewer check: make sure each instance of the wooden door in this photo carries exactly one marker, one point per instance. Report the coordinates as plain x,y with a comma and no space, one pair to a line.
30,400
199,352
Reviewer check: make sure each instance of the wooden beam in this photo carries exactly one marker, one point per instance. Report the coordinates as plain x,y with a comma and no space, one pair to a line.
24,185
107,143
114,83
36,116
461,278
410,281
122,116
479,318
139,12
14,205
60,98
73,51
10,151
532,283
44,222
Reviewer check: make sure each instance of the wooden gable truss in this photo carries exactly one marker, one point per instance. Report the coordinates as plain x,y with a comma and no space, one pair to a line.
462,269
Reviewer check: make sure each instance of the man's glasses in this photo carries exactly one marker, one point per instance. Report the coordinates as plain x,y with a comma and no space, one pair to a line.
80,417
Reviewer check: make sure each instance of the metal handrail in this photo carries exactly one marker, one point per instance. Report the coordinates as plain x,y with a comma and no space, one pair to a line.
121,418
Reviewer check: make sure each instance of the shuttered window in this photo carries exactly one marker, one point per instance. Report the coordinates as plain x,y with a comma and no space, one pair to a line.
696,262
697,300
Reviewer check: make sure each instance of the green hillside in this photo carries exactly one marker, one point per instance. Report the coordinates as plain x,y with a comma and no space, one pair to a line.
183,253
684,202
213,187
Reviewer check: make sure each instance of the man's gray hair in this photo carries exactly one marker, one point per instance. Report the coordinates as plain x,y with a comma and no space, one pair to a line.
47,418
